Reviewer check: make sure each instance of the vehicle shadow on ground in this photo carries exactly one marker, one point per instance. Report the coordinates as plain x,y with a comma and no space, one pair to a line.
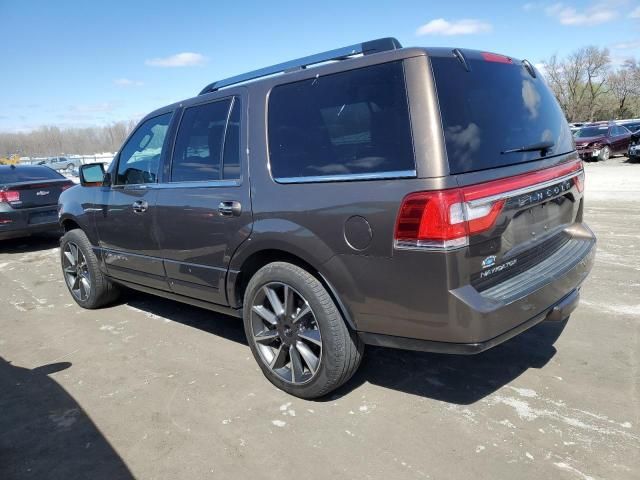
459,379
34,243
44,433
215,323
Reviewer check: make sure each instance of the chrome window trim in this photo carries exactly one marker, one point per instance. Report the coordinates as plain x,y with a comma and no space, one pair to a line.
349,177
524,190
185,184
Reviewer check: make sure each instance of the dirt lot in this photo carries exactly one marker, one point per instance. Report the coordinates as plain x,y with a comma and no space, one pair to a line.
153,389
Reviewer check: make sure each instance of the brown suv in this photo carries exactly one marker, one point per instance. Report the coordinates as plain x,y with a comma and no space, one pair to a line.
420,198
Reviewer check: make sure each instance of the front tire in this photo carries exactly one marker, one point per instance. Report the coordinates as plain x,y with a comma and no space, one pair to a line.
296,333
605,154
88,286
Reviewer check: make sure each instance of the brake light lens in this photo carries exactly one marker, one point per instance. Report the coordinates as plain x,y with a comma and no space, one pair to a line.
9,196
494,57
66,187
444,219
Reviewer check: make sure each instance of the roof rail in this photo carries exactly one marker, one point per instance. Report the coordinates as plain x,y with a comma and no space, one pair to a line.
364,48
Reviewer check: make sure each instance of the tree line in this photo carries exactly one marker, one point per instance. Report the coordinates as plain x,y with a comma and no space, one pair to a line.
590,88
52,141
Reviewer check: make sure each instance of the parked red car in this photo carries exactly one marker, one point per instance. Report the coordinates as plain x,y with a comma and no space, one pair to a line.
599,142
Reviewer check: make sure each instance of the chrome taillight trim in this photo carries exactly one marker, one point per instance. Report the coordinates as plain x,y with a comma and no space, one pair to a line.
524,190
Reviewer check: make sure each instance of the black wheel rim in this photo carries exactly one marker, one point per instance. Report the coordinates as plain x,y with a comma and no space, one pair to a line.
76,271
285,332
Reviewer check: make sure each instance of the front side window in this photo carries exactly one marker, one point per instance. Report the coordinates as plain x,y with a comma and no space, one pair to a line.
348,123
198,154
140,157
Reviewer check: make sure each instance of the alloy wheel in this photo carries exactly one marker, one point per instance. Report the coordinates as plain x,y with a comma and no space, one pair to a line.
286,333
76,271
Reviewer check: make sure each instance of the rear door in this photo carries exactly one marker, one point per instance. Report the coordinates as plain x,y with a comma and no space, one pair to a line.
204,209
501,121
125,223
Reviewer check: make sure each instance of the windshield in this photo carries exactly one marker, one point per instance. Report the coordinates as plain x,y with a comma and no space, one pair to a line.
493,108
592,132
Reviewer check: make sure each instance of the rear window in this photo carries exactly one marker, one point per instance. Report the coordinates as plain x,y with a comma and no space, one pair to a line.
345,124
27,174
493,108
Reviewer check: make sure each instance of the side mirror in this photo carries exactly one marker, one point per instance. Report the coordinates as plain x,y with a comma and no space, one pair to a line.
92,175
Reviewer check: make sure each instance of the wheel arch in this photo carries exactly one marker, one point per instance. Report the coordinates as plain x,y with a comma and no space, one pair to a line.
237,285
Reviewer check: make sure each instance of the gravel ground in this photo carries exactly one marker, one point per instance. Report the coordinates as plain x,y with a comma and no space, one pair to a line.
153,389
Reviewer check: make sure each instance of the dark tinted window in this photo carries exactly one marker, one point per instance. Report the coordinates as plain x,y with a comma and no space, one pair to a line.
355,122
493,108
585,132
198,149
27,174
140,157
231,157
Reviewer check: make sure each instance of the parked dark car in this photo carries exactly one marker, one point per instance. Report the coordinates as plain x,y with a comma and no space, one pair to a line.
634,147
29,199
405,197
599,142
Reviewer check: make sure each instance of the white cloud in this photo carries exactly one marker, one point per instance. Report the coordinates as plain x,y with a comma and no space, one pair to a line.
466,26
184,59
596,14
126,82
527,7
635,13
102,107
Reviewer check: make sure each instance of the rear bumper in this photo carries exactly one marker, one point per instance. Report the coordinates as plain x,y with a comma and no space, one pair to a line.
415,302
25,222
558,312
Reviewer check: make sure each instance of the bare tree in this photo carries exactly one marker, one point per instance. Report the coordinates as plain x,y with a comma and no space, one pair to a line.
51,140
624,84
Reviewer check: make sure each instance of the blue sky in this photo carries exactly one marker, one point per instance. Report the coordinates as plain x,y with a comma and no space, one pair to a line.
79,63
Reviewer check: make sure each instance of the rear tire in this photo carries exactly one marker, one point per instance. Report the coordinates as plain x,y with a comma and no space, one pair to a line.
88,286
296,333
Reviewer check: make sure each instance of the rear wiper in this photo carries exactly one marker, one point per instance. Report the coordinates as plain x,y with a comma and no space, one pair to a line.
542,147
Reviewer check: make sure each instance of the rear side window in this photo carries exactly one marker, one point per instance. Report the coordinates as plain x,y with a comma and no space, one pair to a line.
198,151
27,174
349,123
493,108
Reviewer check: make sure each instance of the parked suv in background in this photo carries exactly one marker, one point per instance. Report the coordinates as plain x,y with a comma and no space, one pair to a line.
420,198
599,142
59,163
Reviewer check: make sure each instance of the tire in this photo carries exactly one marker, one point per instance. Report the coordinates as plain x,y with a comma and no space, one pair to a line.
71,166
605,154
308,316
100,290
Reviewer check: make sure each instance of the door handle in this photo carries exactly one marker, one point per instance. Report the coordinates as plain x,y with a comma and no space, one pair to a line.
140,206
230,209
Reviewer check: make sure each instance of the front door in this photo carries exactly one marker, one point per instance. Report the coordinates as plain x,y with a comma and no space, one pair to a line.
204,208
125,224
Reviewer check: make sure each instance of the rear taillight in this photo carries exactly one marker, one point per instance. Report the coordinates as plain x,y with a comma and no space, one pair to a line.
444,219
66,187
9,196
